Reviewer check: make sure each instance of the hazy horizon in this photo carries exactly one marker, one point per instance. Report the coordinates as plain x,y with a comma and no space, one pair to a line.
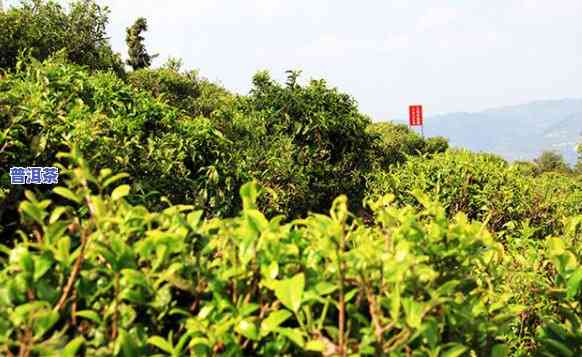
448,56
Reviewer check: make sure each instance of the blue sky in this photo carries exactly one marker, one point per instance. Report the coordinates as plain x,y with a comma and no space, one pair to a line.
453,55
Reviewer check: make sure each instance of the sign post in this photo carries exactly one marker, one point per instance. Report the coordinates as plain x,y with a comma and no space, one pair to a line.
415,118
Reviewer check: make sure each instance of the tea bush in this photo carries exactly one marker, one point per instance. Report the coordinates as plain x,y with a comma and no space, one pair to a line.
186,91
43,28
44,107
398,141
185,138
190,221
486,188
109,278
546,278
306,144
303,143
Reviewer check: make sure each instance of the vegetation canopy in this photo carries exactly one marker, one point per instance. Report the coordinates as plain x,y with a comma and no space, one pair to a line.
192,221
42,28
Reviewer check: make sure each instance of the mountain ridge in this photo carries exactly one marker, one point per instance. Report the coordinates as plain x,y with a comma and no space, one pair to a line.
516,132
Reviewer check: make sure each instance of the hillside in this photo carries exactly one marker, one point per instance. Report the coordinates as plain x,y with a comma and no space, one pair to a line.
519,132
151,212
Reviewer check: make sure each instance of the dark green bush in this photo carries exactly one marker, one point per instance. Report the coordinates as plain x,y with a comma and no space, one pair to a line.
526,168
485,187
462,254
184,90
397,141
550,161
44,27
45,107
121,280
303,143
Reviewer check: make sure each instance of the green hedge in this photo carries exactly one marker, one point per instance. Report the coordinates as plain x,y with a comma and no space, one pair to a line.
485,187
45,107
105,277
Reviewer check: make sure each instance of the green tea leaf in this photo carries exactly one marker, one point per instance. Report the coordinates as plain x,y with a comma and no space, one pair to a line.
45,321
315,345
42,264
90,315
574,283
119,192
293,334
290,291
68,194
72,348
395,303
454,351
324,288
161,343
248,329
413,311
270,271
274,320
113,179
249,193
500,350
32,211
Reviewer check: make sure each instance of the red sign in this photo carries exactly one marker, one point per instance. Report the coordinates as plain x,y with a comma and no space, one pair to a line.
415,115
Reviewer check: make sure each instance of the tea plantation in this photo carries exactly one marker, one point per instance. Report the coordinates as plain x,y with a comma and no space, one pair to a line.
192,221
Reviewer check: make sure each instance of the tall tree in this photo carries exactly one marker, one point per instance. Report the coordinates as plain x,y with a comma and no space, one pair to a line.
550,161
45,27
138,56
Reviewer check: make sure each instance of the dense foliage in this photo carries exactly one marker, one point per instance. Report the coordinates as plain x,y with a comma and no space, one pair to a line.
138,56
44,28
303,143
398,141
45,107
107,277
191,221
187,91
550,161
486,188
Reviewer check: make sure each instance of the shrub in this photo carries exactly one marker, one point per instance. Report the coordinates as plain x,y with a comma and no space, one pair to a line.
118,279
184,90
526,168
397,141
79,32
545,276
303,143
486,188
46,107
550,161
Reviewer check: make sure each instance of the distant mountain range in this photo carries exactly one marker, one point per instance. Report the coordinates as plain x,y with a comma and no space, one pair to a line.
519,132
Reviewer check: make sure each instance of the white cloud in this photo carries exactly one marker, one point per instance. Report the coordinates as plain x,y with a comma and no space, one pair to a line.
436,17
267,8
327,45
397,42
467,54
